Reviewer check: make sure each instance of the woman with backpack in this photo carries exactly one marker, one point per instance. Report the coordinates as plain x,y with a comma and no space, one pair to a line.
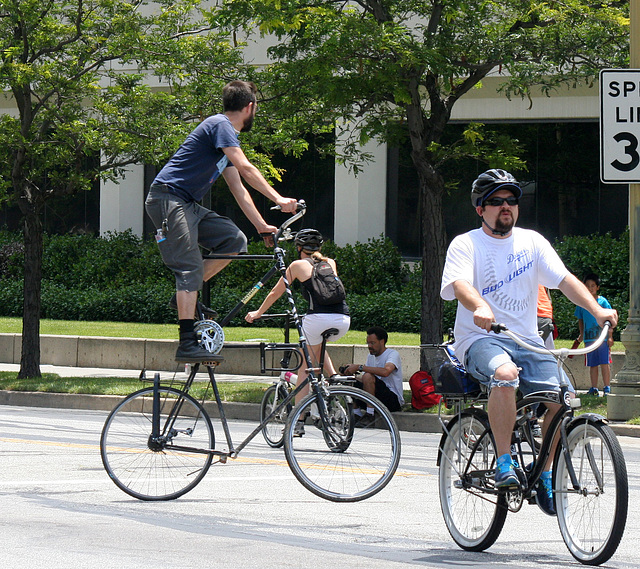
324,292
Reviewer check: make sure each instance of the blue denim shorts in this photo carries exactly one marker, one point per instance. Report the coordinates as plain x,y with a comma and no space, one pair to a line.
538,372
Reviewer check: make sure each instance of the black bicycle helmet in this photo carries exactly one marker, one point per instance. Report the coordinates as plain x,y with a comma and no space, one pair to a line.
489,182
309,239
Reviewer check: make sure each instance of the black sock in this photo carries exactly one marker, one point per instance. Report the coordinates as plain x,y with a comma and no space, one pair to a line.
186,326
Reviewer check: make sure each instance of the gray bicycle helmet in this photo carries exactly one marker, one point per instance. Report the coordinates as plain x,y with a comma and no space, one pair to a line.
489,182
309,239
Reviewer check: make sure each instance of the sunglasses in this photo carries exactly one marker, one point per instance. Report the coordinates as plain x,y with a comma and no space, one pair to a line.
499,201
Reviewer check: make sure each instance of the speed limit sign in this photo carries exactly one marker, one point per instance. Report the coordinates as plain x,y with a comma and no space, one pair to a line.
620,126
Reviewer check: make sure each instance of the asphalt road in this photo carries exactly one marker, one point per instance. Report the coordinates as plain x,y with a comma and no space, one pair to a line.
60,510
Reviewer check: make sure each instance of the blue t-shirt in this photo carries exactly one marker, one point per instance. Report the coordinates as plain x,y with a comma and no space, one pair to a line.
591,330
200,159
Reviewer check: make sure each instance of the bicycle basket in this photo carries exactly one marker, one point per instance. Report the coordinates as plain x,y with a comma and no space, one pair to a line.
449,376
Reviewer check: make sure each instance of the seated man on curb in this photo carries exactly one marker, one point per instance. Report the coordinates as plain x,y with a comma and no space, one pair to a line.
381,374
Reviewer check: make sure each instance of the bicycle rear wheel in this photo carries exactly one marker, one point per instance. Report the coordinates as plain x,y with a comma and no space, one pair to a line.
273,431
157,470
336,458
467,464
591,518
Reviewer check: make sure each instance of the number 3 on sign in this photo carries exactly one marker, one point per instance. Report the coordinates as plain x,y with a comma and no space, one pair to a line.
630,150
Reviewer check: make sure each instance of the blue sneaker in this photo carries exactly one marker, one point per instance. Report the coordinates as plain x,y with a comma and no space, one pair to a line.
593,391
544,494
606,390
505,474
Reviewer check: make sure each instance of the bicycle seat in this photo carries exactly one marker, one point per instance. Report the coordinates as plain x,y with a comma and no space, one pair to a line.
330,332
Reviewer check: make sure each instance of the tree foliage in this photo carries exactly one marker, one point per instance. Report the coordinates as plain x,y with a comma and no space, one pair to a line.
81,75
375,67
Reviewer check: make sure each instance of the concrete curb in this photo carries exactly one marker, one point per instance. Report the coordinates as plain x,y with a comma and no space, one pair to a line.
413,422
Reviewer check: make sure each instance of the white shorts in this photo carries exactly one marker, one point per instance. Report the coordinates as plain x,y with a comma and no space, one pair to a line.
314,325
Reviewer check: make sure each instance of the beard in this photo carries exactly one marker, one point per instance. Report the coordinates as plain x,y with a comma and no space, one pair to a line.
248,123
504,226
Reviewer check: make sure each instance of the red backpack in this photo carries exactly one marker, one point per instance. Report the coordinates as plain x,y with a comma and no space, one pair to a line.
423,395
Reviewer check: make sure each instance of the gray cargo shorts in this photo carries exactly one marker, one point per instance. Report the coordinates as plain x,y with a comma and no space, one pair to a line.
187,226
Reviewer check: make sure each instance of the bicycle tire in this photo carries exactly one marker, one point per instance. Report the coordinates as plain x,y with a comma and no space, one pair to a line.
467,455
350,463
591,519
163,472
273,431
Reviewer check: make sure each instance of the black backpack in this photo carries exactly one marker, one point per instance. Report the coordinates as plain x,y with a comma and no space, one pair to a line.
327,287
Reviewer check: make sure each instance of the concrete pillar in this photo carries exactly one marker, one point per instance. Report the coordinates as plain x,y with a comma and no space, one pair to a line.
122,202
361,201
624,401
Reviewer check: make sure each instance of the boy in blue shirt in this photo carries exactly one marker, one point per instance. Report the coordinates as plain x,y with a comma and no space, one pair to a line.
589,332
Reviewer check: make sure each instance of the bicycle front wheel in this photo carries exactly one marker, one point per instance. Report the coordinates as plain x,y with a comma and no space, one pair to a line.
342,457
467,458
273,431
591,517
160,469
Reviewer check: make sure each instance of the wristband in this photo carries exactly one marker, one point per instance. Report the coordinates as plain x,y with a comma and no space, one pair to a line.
360,368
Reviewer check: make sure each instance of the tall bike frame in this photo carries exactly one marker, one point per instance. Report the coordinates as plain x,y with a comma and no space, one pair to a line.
158,443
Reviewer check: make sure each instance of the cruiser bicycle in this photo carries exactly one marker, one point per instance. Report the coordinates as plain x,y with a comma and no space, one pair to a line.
590,485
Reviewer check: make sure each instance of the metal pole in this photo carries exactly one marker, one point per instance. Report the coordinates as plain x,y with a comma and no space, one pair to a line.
624,401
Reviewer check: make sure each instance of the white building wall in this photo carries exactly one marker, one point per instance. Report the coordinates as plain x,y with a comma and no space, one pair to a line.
360,202
122,203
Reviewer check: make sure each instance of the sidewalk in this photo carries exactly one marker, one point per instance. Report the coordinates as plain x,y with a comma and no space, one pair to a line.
407,421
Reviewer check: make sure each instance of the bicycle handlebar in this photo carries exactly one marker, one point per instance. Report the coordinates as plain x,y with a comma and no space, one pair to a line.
301,208
561,353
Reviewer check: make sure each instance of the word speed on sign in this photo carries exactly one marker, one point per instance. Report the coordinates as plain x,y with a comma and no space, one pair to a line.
620,125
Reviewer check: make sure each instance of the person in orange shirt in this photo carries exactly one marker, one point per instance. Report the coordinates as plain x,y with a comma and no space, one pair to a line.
546,325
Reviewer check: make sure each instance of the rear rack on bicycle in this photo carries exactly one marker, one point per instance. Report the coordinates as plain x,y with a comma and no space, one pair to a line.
290,361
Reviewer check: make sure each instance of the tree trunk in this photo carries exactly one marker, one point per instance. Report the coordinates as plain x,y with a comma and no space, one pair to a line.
433,250
422,132
33,248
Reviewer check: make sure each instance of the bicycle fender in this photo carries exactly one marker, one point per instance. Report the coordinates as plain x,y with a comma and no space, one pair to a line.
587,418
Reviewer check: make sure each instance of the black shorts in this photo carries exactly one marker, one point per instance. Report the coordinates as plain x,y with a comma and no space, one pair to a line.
188,225
384,394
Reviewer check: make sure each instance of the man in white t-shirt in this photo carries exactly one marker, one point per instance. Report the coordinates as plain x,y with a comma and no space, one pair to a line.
381,374
494,272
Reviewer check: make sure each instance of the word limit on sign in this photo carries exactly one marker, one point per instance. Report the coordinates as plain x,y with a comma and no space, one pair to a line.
620,125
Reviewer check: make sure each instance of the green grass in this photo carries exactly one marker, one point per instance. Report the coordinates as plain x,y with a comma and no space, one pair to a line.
53,383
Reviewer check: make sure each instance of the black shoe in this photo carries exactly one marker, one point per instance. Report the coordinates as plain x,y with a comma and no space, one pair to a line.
190,351
366,420
206,312
298,429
